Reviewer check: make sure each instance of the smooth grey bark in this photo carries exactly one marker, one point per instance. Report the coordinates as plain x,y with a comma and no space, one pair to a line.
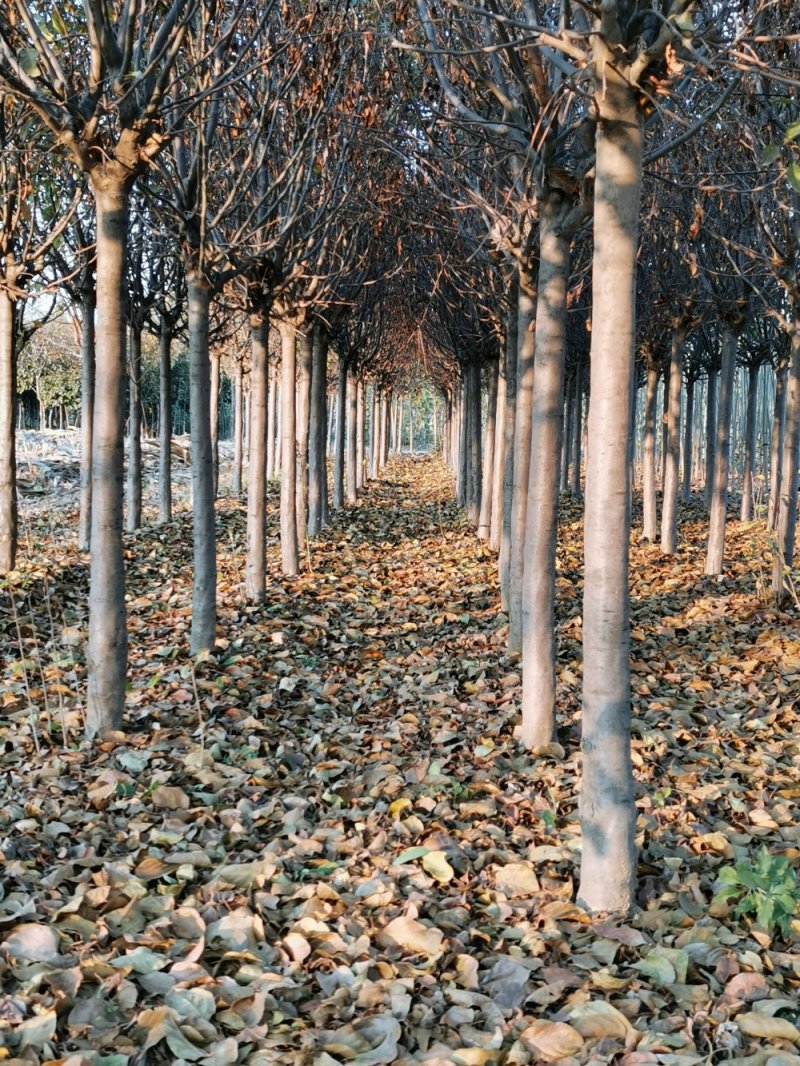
303,414
317,467
509,419
256,560
715,551
351,441
204,578
386,401
339,440
747,508
522,454
487,487
672,450
461,454
474,451
686,484
577,433
87,409
498,458
664,423
290,554
539,570
8,455
164,422
711,433
778,434
133,517
215,369
238,428
361,413
790,469
607,808
107,648
649,503
272,422
568,407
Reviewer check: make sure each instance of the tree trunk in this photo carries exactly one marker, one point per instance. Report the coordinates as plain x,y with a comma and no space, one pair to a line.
487,488
686,488
214,417
509,421
204,584
746,513
107,651
778,434
790,468
386,402
290,553
461,451
360,424
719,499
164,423
134,482
256,562
272,419
303,412
351,388
522,455
607,809
238,429
8,455
711,433
539,572
498,458
372,472
577,432
474,462
339,443
672,453
87,410
317,469
649,503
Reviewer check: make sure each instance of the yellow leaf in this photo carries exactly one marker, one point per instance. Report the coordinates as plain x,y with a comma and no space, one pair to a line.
397,806
760,1025
598,1019
170,797
435,863
552,1041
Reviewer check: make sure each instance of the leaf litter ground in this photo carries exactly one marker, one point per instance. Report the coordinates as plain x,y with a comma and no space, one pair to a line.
324,844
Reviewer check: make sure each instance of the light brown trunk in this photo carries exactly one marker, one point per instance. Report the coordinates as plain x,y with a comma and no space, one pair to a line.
351,455
215,368
360,424
539,572
87,410
522,456
204,578
303,414
607,809
509,419
165,424
649,504
290,554
8,455
778,433
317,467
339,442
711,433
790,468
133,518
746,512
669,505
107,652
686,488
256,563
487,488
498,459
715,552
238,428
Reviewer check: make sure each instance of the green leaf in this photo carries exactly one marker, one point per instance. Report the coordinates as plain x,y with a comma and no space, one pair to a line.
769,154
29,61
728,875
410,855
765,913
792,133
793,174
58,22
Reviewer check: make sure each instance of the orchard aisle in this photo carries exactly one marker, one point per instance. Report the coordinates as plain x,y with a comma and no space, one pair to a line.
324,845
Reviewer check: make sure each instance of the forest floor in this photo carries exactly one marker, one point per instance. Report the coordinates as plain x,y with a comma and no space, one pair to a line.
324,844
